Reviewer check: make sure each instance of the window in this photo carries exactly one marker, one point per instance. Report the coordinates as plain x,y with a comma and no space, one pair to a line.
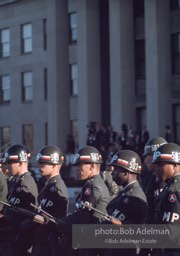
45,84
140,59
175,49
45,34
5,89
4,43
28,136
26,43
73,27
74,79
174,4
27,89
5,137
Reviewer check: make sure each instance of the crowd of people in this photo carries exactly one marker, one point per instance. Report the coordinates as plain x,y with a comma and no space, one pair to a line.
36,221
108,142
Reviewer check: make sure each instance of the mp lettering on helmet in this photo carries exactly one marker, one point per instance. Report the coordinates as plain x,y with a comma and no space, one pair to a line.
95,156
39,156
77,156
156,155
115,157
55,157
6,155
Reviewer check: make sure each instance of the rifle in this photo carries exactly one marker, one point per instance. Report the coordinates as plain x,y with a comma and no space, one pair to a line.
51,218
105,216
30,215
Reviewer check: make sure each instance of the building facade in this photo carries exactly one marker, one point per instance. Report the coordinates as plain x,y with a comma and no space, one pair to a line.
66,63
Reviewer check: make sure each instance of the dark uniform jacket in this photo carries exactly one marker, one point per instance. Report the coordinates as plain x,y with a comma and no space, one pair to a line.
96,193
168,203
15,232
22,194
130,205
153,190
53,199
167,211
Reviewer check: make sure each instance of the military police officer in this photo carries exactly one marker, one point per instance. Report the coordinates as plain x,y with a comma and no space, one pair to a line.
154,184
88,161
130,205
167,204
22,194
53,198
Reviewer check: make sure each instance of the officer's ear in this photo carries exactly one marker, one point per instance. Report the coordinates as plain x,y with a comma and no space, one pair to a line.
92,166
175,166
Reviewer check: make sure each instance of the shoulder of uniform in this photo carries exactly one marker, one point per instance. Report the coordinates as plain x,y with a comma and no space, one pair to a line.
59,186
137,192
175,185
25,177
95,181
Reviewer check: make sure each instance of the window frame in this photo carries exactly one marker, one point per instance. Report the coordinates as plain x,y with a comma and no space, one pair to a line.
5,43
5,137
5,91
74,79
28,134
25,87
25,38
73,37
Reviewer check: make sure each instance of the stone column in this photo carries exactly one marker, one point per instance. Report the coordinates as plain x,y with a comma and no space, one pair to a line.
158,63
58,72
88,52
122,63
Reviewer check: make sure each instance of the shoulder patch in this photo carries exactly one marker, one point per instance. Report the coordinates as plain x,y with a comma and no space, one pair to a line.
125,200
19,189
172,198
87,191
53,188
